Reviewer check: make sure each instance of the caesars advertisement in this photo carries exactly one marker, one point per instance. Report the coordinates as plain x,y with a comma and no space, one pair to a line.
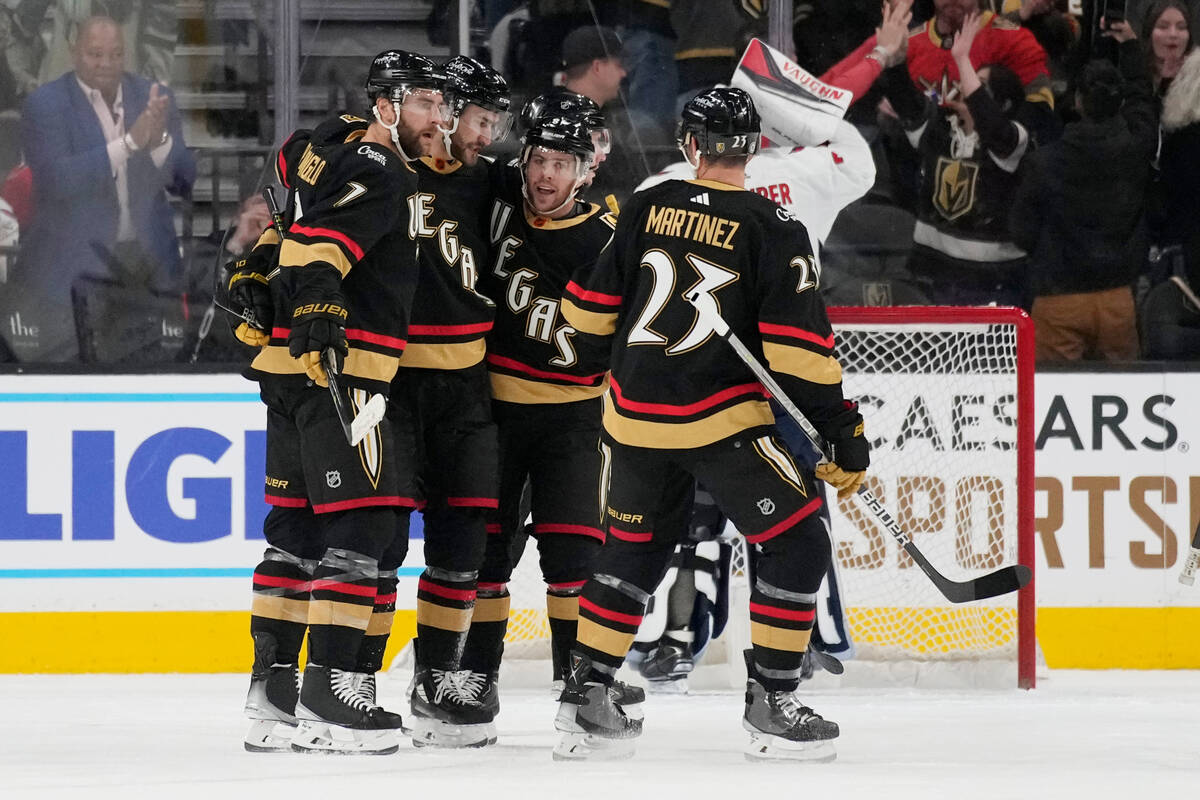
144,493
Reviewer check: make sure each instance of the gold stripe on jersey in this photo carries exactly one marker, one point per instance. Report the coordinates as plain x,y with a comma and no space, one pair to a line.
512,389
705,52
681,435
588,321
594,635
447,619
803,364
779,638
454,355
491,609
331,612
546,224
276,360
780,461
562,607
381,623
288,609
269,237
718,185
295,254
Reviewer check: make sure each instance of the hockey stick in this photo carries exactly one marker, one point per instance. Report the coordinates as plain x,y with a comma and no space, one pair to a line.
368,416
1002,581
1187,576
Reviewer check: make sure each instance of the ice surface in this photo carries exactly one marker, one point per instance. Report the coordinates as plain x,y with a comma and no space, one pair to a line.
1129,735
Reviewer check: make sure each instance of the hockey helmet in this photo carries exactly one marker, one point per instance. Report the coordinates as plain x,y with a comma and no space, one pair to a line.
468,82
722,122
564,103
395,72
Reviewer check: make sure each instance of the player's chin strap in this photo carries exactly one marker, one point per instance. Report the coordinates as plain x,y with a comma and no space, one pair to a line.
392,129
447,133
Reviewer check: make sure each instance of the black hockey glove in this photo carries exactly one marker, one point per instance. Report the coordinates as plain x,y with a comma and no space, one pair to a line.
248,291
849,451
318,325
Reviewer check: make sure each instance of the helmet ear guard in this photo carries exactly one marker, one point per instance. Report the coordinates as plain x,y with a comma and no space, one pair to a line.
722,122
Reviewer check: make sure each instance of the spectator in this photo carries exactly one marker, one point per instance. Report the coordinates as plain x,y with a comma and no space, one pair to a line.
970,152
712,36
1180,164
105,147
1167,39
649,43
1079,210
592,63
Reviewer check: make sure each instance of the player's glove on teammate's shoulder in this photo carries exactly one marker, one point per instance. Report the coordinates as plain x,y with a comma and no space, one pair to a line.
248,290
319,322
849,451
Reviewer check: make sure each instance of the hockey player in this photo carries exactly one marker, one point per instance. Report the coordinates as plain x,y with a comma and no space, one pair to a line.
441,400
341,294
546,384
681,407
562,102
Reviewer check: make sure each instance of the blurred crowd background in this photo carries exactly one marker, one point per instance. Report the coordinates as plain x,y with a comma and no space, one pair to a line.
132,151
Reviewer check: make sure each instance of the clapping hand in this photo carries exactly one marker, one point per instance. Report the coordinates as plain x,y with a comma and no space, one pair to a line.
149,127
966,36
892,34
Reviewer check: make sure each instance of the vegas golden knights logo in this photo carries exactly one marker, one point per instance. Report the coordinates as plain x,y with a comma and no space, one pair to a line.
954,193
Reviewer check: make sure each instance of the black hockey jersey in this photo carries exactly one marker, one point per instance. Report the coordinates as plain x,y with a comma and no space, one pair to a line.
534,354
674,383
450,318
348,210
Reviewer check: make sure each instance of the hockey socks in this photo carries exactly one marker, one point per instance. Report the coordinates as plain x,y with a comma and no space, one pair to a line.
279,608
489,623
781,623
343,602
562,608
610,612
445,602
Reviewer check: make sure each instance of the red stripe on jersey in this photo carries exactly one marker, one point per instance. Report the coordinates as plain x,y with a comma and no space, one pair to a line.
330,233
630,536
449,330
593,297
364,502
582,530
615,616
783,613
370,337
465,595
275,580
491,587
384,599
344,588
286,502
689,409
472,502
508,363
560,587
281,168
775,530
797,333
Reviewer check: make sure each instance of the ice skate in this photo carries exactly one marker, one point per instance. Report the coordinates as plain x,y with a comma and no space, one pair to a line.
271,707
445,711
364,684
781,728
666,669
483,688
593,725
335,718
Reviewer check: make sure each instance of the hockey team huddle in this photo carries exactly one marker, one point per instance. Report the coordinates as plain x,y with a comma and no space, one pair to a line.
529,341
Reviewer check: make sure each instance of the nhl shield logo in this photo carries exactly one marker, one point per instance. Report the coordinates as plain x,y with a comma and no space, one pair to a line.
766,506
333,479
955,192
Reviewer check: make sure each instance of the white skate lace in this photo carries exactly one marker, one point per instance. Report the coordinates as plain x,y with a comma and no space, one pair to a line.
345,688
451,684
473,683
790,705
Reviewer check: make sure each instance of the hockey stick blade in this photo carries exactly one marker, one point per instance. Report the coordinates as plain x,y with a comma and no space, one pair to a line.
367,418
1002,581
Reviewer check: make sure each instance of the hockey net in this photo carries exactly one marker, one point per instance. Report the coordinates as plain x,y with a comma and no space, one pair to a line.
947,394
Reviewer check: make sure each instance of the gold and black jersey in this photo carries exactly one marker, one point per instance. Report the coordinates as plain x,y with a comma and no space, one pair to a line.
674,383
534,354
348,204
450,317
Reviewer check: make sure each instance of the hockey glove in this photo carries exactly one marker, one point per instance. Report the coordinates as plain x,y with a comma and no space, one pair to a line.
248,290
849,452
315,327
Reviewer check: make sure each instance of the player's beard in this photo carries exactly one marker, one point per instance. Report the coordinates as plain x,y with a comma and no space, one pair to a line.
411,142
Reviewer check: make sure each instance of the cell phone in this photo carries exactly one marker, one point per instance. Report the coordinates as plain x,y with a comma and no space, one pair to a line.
1113,11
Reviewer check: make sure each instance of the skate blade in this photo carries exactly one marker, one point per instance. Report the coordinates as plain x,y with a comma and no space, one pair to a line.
764,747
427,732
321,737
269,736
588,747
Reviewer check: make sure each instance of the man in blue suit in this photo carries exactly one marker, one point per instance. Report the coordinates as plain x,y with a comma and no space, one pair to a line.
105,148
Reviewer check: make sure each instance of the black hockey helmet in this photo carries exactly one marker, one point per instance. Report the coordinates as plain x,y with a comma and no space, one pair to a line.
568,104
722,122
394,72
564,134
470,82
